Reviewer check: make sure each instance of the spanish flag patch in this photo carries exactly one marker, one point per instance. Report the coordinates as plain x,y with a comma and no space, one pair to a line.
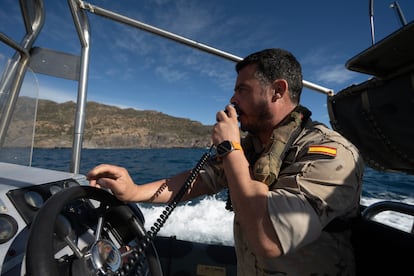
322,150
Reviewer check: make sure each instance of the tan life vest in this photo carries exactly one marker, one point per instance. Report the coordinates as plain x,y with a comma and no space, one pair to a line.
266,164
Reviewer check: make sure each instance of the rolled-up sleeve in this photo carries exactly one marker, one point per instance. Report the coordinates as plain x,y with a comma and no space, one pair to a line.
295,221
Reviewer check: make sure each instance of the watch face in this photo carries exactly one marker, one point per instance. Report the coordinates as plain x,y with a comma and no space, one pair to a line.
224,148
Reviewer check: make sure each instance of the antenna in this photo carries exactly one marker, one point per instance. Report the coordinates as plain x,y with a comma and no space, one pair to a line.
371,17
399,12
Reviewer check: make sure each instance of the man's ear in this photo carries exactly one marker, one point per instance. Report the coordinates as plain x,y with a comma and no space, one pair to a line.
280,87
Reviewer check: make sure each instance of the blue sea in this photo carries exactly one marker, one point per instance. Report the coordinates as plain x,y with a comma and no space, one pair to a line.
206,219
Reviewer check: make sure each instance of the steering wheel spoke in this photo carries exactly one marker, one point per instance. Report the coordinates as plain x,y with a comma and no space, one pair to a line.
99,226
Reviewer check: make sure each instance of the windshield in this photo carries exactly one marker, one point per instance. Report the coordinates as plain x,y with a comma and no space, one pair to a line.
17,146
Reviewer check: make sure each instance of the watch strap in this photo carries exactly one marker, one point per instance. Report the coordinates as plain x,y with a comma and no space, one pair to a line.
226,147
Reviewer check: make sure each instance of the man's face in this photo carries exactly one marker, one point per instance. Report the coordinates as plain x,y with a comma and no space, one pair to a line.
251,99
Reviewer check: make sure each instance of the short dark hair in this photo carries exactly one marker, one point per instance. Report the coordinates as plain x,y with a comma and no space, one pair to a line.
275,64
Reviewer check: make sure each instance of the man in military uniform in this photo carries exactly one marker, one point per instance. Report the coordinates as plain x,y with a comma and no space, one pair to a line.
294,185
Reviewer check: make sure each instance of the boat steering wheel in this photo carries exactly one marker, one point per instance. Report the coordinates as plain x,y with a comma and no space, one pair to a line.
87,231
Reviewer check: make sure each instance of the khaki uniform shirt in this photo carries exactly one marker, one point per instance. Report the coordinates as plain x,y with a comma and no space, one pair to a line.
320,180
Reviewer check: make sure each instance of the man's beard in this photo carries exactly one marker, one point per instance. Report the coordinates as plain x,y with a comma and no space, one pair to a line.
262,119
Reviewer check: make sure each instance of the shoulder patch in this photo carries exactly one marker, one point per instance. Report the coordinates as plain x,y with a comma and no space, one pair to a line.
316,149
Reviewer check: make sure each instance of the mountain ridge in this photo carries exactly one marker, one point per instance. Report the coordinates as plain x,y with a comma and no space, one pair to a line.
108,126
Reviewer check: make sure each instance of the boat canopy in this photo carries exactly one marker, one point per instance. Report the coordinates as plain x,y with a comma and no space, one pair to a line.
376,115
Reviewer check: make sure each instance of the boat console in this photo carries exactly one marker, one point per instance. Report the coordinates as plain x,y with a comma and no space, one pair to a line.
23,191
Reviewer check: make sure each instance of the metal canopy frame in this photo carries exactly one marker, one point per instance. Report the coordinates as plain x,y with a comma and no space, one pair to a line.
76,67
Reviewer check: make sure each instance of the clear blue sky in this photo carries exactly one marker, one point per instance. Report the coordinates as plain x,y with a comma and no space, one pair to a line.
132,68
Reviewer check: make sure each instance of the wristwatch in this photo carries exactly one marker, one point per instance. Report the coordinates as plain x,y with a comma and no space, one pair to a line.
226,147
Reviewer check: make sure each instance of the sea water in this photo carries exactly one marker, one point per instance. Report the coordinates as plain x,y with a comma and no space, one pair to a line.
206,219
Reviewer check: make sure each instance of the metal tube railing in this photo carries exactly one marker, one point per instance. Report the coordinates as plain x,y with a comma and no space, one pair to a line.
33,16
183,40
82,27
